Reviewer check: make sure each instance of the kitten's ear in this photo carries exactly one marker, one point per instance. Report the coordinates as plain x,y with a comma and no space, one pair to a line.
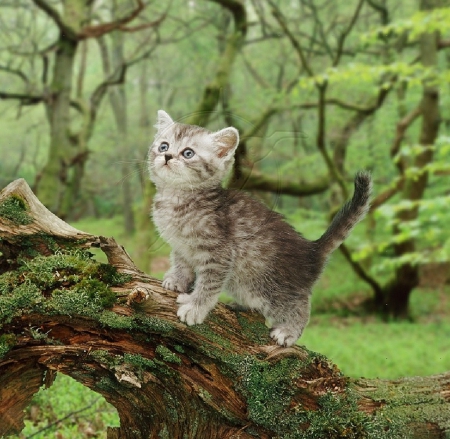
164,120
226,141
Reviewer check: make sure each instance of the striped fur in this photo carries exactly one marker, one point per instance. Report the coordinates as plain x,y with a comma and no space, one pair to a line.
225,240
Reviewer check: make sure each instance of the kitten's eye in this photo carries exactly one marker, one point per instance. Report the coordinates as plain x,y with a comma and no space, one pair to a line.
188,153
163,147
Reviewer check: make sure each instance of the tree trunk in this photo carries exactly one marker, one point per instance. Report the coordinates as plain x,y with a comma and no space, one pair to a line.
54,178
115,330
118,101
219,83
398,291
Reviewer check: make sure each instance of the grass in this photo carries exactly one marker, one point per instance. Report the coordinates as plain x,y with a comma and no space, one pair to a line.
360,344
68,410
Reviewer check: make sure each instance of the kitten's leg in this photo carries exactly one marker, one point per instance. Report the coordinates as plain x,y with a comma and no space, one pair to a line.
290,322
195,307
180,276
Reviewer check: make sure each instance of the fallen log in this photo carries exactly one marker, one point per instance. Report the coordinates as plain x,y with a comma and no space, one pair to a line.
114,329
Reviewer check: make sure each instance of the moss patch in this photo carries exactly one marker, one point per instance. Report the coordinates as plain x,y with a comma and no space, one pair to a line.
7,341
68,283
269,392
15,210
167,355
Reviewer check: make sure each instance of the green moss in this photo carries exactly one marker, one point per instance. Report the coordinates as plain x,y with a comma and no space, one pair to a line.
139,361
7,341
153,324
397,416
78,286
104,357
15,210
204,394
164,433
179,348
208,333
268,390
24,298
167,355
254,329
116,321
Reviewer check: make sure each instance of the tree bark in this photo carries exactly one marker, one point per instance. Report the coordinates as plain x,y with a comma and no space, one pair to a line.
222,379
406,278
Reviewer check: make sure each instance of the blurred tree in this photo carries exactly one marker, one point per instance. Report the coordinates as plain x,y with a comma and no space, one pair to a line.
75,21
412,187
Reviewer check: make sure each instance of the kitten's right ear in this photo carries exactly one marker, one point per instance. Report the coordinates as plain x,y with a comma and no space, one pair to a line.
164,120
226,141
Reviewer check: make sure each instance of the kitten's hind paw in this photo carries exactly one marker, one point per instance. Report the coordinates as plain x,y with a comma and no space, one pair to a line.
284,336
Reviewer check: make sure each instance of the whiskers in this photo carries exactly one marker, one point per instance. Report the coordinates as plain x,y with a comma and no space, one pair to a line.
128,169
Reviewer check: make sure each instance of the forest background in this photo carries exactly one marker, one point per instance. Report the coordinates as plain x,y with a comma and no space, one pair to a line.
318,90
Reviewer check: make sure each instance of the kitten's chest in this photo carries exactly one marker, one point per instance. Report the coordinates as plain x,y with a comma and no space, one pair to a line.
182,223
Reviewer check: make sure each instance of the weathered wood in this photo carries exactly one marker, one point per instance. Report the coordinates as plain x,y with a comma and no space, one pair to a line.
222,379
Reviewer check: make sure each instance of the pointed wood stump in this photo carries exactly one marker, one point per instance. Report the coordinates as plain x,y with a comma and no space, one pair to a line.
114,329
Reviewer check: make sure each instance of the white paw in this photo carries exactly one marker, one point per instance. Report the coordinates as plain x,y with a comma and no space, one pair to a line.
284,336
190,313
184,298
170,283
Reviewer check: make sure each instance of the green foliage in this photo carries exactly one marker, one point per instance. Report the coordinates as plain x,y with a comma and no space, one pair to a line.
15,210
418,23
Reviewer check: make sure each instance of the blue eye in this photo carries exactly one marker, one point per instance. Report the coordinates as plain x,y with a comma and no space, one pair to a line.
188,153
163,147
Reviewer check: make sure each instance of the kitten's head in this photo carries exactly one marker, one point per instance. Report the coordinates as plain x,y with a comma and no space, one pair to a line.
188,156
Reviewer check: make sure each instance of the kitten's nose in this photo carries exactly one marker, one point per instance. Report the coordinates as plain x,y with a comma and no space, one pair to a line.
168,157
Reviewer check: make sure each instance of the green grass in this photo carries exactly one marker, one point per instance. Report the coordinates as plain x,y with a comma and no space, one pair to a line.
383,350
360,344
68,410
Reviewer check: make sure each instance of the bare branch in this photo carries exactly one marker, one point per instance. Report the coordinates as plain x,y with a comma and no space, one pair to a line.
295,44
402,126
256,181
16,72
25,99
344,35
101,29
56,17
381,9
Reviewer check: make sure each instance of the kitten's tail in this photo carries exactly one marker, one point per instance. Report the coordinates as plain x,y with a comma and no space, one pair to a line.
348,216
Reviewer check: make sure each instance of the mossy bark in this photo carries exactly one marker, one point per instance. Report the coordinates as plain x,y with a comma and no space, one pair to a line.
222,379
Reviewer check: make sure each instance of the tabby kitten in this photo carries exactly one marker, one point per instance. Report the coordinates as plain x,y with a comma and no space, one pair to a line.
224,240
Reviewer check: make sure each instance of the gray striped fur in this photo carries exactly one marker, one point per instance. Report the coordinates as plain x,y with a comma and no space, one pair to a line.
225,240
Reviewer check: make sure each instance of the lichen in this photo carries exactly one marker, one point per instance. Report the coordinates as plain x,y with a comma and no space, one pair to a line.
15,210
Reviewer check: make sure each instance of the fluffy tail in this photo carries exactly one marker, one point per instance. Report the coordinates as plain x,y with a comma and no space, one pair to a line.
348,216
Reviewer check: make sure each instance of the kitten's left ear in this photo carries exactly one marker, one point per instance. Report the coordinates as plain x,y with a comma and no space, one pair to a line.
164,120
226,141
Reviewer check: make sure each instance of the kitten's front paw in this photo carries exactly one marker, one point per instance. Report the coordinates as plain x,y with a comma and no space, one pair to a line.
285,336
173,284
189,312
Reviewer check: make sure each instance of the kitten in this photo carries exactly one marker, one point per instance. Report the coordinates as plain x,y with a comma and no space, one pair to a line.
224,240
